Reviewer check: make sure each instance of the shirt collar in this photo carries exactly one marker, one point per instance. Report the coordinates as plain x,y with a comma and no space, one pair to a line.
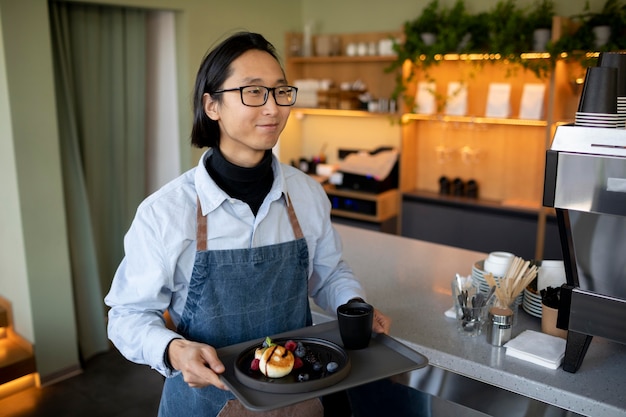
211,196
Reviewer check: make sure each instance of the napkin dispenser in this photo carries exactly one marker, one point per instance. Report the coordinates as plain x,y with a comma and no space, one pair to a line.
585,181
368,171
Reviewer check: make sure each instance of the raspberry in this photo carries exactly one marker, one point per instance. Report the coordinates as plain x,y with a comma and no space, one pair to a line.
254,366
290,345
297,363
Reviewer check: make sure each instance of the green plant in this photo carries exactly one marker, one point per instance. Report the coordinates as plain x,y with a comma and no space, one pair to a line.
540,14
457,22
507,29
479,28
609,15
576,44
429,20
413,49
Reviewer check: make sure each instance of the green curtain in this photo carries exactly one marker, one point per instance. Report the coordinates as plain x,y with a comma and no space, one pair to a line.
99,58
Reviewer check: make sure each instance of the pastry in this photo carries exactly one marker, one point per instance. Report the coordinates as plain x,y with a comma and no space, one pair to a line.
275,361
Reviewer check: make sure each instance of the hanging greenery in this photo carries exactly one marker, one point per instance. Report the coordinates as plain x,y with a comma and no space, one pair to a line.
504,32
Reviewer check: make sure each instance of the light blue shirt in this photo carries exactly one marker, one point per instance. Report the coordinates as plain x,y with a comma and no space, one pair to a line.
160,249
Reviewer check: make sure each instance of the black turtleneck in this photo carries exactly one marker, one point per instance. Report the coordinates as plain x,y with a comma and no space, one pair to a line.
249,185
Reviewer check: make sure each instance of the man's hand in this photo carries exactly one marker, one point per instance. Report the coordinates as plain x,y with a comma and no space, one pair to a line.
381,323
198,362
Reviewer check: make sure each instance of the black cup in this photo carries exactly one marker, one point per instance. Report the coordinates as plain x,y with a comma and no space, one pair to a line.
616,60
471,190
458,187
444,185
599,91
355,324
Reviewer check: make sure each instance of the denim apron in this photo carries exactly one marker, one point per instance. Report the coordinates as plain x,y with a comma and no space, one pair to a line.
237,295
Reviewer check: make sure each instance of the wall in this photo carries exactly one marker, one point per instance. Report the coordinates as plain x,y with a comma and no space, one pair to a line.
332,16
13,277
36,278
44,245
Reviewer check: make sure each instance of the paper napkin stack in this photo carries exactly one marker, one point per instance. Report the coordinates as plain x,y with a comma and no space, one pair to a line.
536,347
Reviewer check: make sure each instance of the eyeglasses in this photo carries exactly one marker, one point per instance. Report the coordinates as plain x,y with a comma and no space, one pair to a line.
257,95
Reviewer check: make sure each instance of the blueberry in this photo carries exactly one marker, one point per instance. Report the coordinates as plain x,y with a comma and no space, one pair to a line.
303,377
300,351
317,366
332,366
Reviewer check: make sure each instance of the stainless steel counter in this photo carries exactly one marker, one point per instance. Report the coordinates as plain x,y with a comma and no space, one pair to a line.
410,281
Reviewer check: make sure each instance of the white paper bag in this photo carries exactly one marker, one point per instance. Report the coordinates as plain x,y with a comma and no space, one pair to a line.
498,100
456,101
425,98
531,106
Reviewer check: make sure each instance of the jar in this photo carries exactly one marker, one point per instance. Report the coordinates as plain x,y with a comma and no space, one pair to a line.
500,322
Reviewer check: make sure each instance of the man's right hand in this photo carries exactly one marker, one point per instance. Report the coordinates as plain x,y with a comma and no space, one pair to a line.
198,362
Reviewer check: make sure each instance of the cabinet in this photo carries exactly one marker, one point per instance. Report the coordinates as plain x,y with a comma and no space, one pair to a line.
478,225
341,68
367,210
311,131
314,130
17,361
505,156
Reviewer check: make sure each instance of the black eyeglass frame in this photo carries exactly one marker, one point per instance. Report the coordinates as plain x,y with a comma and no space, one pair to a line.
265,98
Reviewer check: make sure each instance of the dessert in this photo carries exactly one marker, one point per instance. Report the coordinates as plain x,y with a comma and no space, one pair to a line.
276,361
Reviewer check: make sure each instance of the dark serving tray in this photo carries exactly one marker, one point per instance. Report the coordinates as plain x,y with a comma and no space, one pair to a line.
384,357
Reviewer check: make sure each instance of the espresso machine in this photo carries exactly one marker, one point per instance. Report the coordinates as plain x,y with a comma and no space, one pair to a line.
585,182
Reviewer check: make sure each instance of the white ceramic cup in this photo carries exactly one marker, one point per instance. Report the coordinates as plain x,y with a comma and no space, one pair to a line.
550,274
498,263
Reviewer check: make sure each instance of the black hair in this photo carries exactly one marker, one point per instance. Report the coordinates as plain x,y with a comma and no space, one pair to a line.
214,70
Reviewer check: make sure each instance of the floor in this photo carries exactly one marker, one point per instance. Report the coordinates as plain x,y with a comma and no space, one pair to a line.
111,386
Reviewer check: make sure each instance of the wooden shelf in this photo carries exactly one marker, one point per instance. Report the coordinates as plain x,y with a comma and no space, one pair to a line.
17,358
15,361
303,111
369,69
4,317
471,119
386,59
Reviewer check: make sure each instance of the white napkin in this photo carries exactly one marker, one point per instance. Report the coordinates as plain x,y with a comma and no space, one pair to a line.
531,106
498,100
536,347
456,101
425,98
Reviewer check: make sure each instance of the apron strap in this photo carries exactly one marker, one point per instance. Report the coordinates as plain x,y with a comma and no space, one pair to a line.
201,229
202,226
293,219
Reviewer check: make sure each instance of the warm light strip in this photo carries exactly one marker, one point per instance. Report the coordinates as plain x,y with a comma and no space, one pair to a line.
484,57
407,117
535,55
20,384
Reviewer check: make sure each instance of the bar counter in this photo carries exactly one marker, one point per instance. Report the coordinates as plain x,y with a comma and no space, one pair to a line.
409,280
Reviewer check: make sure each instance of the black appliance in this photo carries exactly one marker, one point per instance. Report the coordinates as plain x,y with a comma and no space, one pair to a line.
368,184
585,181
